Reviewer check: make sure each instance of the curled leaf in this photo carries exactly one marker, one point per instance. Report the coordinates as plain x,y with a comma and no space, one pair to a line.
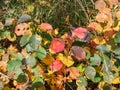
73,72
78,52
57,45
56,65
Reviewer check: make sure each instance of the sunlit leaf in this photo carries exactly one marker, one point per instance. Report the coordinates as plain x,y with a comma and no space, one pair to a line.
56,65
116,81
102,18
66,60
78,52
90,72
99,40
100,4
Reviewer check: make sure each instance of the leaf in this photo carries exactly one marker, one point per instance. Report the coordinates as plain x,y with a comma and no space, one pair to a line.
14,66
73,73
117,38
116,81
100,4
40,53
108,77
35,41
99,40
38,82
81,81
90,72
1,26
95,60
57,42
24,18
78,52
9,21
96,79
31,61
45,27
24,40
102,48
22,78
117,51
66,60
56,65
48,59
28,48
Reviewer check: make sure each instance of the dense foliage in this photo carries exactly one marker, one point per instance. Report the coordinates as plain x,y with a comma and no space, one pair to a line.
40,49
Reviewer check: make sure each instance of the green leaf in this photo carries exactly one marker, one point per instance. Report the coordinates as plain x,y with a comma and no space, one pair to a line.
88,54
22,78
90,72
14,66
24,40
108,77
102,48
41,53
31,61
107,64
117,51
96,79
35,41
95,60
81,81
38,82
19,56
117,38
29,48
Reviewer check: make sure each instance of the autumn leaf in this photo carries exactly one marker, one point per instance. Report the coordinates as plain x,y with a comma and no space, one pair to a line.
48,59
73,72
100,4
3,66
118,15
56,65
116,81
57,45
79,32
99,40
66,60
45,27
95,27
78,53
102,18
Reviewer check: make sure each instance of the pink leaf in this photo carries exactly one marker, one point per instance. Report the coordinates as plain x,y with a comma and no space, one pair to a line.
56,65
57,45
45,27
79,32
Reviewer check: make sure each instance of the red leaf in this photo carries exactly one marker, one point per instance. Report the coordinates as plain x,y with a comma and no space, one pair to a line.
78,52
57,45
56,65
45,27
79,32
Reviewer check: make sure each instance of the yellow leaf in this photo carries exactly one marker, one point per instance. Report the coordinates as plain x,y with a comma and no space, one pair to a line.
66,60
116,81
48,59
99,40
42,88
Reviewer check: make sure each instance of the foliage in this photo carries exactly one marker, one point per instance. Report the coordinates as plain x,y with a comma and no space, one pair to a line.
35,54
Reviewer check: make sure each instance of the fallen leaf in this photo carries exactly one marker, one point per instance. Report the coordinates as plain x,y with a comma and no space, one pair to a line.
56,65
99,40
78,53
66,60
57,45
